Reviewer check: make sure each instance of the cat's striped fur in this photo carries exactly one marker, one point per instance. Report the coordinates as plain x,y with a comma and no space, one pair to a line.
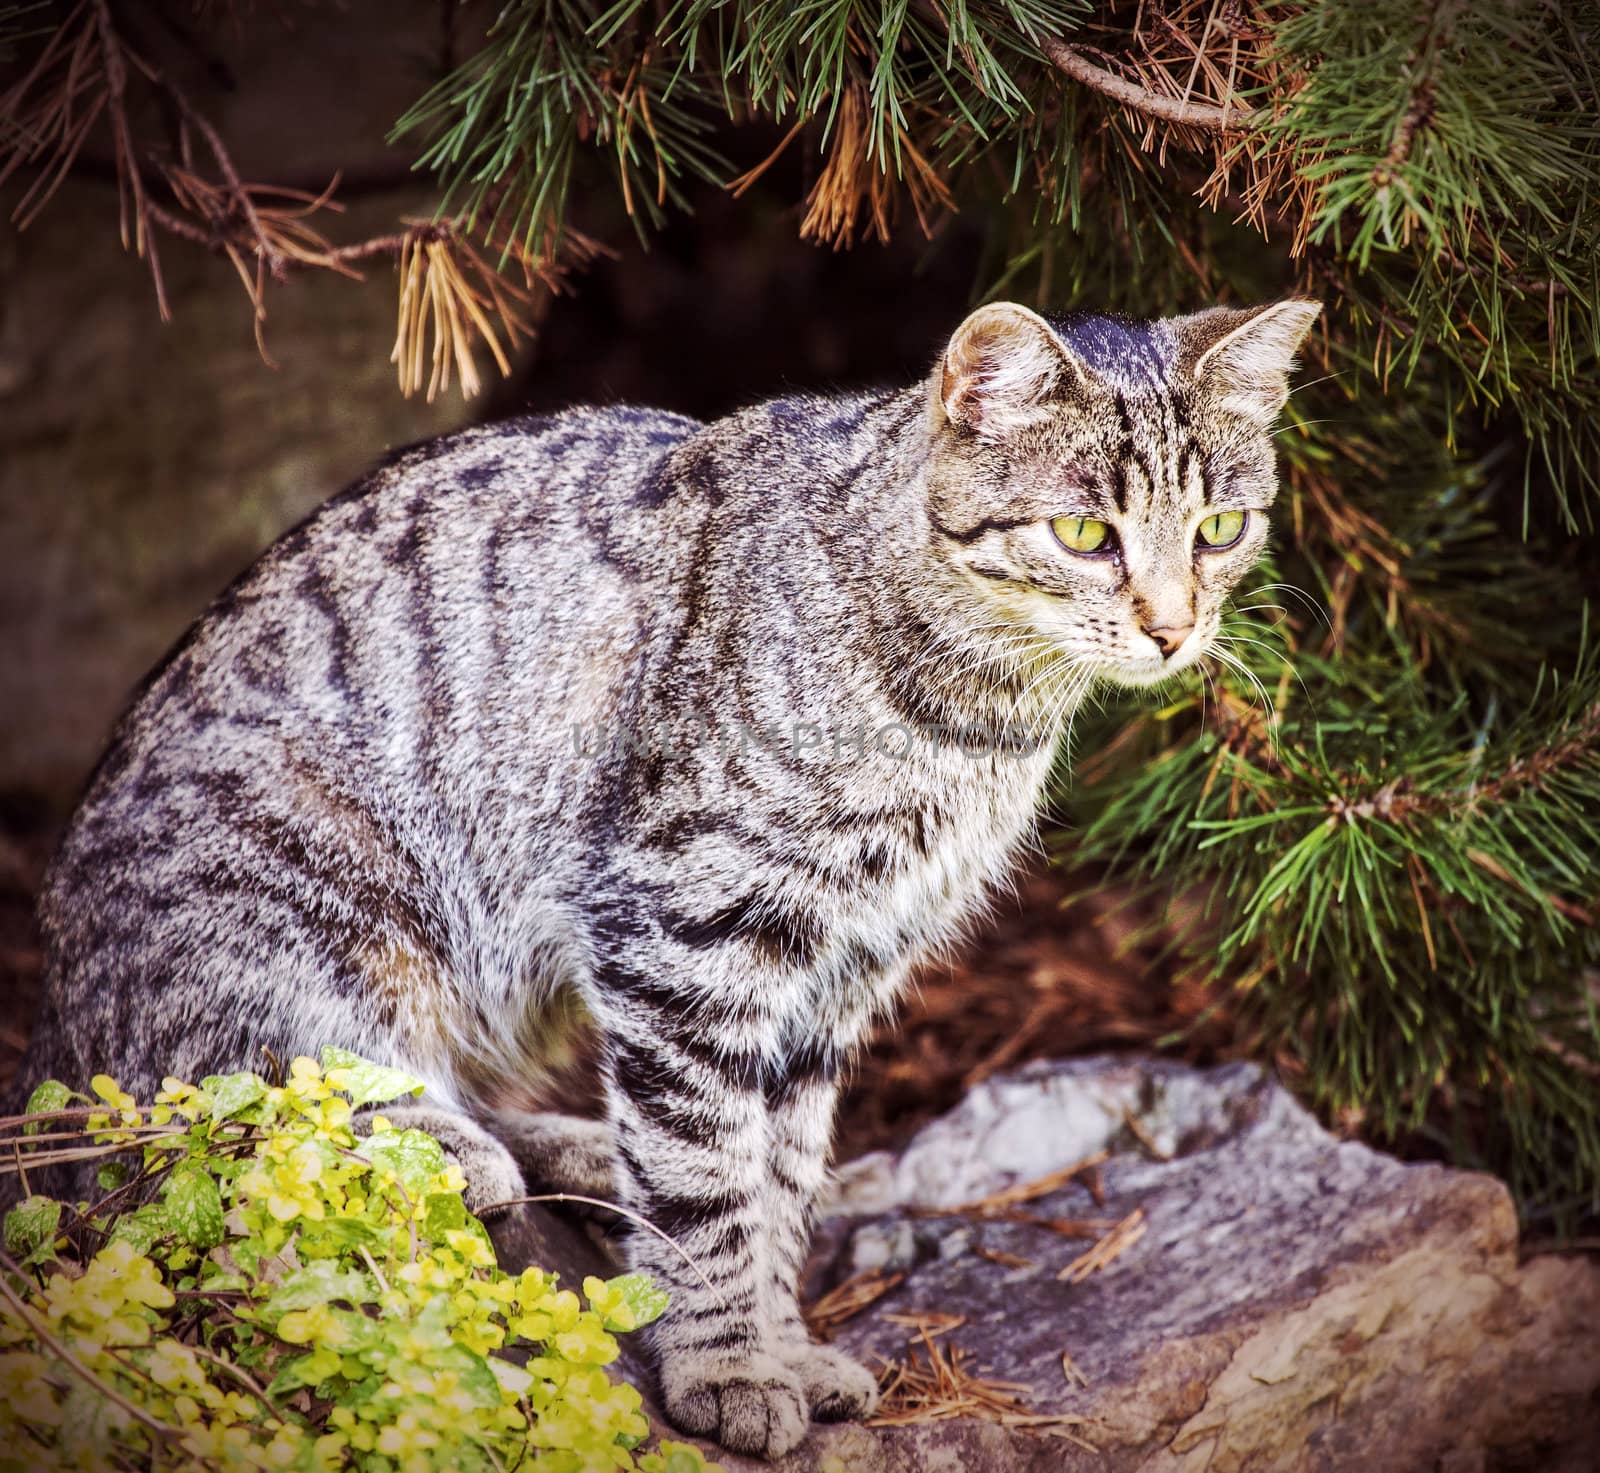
475,741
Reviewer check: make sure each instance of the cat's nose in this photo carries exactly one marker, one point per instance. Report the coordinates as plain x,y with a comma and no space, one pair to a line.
1169,637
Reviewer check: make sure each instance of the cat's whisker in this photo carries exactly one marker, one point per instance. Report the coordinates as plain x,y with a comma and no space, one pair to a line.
1072,699
1205,684
988,639
1312,383
945,638
1263,696
1315,605
1020,663
1303,424
1048,684
957,666
1026,697
1280,655
1066,697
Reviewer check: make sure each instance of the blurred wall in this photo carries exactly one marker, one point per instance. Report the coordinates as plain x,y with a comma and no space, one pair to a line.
142,466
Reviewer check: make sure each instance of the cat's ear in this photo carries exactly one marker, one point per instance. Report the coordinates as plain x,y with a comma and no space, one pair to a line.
1247,357
1001,367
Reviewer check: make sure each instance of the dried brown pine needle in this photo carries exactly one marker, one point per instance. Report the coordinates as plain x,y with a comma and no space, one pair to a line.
458,298
856,178
1115,1243
1184,80
1001,1257
1097,1187
845,1301
998,1203
1063,1227
1136,1129
450,295
932,1383
1070,1369
927,1322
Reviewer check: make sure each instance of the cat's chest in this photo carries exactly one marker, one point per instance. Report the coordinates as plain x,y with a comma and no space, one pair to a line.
946,837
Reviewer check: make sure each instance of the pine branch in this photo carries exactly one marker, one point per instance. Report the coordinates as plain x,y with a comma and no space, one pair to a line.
1181,112
1395,803
114,64
263,230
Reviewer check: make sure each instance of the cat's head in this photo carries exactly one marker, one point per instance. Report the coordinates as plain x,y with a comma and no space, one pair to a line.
1103,485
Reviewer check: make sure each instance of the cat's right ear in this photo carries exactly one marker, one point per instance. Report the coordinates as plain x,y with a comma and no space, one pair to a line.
1001,367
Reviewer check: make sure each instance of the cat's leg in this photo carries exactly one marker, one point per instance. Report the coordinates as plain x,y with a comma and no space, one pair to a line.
837,1387
559,1153
693,1137
493,1176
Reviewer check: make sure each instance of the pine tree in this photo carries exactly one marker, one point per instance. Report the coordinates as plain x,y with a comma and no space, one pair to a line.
1385,791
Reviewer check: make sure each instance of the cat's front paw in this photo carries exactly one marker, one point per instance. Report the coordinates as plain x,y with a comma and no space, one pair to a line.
837,1388
494,1181
756,1405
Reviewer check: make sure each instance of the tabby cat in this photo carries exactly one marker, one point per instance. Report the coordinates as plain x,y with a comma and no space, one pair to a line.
703,733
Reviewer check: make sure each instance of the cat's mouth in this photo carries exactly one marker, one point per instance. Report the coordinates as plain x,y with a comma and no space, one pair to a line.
1155,669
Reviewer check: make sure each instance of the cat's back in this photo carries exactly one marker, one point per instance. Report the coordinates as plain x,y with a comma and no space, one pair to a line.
401,597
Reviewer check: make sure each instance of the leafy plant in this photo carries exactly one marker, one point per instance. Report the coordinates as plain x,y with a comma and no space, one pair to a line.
264,1289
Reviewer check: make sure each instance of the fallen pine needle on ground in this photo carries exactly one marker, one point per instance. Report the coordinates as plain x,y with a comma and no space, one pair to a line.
932,1383
1115,1243
845,1301
998,1204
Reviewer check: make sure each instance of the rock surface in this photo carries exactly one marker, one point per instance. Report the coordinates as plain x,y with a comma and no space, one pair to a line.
1286,1301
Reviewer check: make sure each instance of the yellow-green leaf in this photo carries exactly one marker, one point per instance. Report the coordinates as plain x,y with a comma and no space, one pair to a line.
194,1205
46,1098
364,1082
231,1093
31,1225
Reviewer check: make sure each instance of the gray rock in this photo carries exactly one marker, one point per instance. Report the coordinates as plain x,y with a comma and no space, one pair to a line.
1295,1302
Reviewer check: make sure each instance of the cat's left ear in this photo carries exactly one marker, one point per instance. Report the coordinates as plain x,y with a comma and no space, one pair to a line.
1247,357
1002,366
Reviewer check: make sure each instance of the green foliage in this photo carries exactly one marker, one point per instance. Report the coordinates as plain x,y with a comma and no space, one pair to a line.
272,1291
1451,155
559,83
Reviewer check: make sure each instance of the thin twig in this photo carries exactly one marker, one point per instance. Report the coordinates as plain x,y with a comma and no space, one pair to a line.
264,246
998,1203
1130,94
633,1217
377,1273
114,60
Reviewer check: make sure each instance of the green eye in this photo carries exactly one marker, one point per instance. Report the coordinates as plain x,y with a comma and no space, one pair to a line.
1222,529
1080,534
